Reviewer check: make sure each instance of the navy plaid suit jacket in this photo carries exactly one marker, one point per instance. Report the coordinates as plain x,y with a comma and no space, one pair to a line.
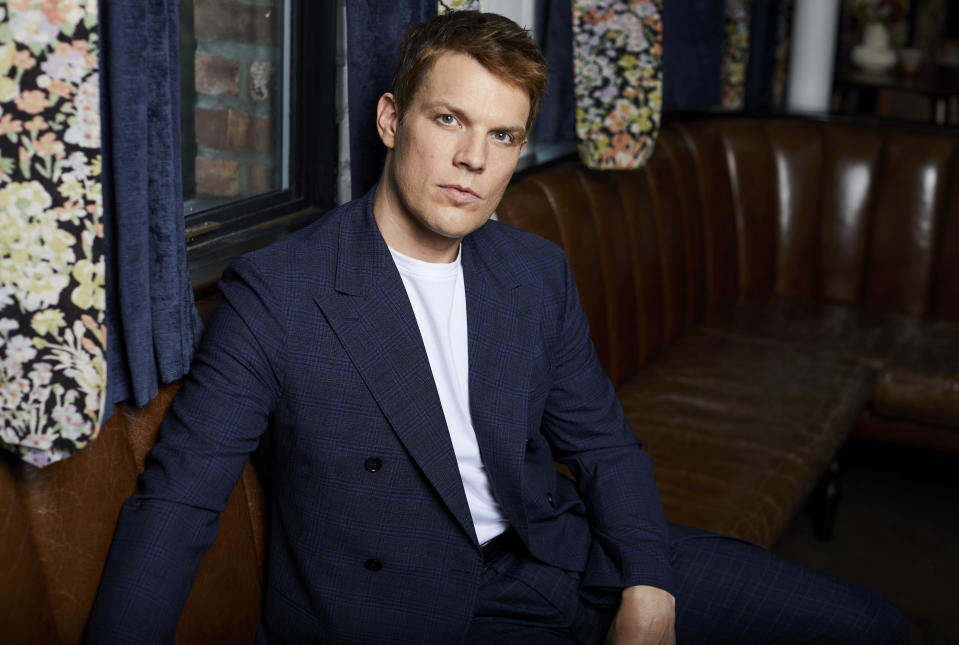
315,353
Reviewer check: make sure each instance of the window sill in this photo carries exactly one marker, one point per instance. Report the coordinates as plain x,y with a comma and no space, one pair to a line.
208,256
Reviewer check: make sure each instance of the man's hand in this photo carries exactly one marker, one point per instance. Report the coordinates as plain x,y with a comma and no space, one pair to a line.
646,616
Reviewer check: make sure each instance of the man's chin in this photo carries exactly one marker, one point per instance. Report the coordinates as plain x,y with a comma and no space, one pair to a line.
459,229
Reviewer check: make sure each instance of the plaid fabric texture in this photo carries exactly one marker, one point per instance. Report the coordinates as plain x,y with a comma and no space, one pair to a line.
314,354
728,591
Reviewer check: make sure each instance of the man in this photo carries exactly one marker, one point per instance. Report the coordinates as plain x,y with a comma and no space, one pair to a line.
416,371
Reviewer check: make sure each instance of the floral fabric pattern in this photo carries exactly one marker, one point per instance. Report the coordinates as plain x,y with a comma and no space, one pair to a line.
735,53
783,34
445,6
617,71
52,299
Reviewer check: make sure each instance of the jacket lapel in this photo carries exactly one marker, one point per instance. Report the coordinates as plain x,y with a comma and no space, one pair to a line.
500,313
371,315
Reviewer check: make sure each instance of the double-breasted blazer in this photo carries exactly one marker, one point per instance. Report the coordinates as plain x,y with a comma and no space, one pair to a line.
314,356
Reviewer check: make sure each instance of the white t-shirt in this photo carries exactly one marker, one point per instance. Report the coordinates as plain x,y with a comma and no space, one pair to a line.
438,296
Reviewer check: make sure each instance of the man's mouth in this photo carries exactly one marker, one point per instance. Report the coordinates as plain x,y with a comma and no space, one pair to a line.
459,194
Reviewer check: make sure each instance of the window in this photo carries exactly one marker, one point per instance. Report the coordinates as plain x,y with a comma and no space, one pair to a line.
235,94
258,125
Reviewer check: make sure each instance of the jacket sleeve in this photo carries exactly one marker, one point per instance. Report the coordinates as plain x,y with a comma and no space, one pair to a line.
215,422
588,432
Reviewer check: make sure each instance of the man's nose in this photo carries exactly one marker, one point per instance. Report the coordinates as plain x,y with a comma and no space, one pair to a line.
471,153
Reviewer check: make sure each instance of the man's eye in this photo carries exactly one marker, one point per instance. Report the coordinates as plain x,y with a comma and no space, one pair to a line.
447,119
503,137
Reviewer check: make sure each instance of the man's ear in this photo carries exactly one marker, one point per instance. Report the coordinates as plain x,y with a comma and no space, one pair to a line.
387,119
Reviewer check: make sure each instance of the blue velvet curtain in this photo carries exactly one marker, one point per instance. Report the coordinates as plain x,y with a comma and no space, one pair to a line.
692,53
374,31
152,323
763,39
554,29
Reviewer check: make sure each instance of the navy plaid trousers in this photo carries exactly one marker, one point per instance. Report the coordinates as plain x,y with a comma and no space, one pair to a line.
727,591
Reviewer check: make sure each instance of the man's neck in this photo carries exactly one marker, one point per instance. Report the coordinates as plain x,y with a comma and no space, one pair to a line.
404,234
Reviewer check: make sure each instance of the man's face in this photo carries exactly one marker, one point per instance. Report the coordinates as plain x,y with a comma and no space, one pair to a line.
451,156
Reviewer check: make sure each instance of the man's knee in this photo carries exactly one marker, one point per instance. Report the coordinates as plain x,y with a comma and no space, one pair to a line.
729,589
890,626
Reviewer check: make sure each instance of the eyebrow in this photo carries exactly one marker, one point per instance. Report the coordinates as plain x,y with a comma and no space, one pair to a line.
517,132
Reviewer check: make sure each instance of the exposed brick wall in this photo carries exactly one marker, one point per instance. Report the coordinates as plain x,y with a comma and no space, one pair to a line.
237,85
216,75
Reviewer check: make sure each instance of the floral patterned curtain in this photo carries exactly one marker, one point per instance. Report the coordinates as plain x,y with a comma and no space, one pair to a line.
781,55
458,5
52,333
617,70
735,53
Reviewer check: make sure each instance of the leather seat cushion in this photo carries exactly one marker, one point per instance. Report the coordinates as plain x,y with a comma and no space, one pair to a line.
921,381
867,335
732,457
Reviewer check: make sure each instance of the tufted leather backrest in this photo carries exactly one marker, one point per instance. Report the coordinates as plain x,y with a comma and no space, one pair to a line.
730,209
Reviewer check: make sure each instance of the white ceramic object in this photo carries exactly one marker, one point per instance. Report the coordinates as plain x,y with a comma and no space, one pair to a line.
874,55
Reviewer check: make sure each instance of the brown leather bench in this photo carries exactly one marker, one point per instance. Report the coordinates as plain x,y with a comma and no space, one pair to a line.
55,530
761,289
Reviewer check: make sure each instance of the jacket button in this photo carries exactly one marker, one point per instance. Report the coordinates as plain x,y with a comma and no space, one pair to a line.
549,498
373,464
373,564
529,443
